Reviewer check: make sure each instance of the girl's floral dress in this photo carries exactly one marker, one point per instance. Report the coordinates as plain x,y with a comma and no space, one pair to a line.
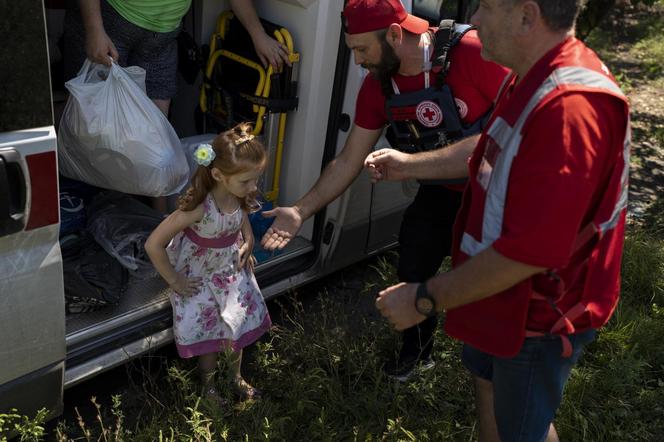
228,310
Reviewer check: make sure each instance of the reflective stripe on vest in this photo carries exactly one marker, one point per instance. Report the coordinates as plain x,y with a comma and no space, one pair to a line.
508,140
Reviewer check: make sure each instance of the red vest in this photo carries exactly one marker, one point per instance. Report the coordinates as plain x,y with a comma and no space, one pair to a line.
497,324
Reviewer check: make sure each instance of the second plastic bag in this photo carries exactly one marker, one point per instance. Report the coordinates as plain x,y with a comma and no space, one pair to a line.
113,136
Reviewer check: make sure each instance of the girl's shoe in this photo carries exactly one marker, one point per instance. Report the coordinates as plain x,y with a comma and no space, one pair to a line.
246,391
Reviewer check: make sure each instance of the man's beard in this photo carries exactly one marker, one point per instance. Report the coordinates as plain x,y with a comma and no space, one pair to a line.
387,66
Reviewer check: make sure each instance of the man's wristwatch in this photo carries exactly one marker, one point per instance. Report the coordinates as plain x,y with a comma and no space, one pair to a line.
424,302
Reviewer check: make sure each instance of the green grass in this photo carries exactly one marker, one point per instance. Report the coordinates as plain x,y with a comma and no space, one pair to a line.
320,370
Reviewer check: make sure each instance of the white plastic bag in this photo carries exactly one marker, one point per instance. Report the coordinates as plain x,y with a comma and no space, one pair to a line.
113,136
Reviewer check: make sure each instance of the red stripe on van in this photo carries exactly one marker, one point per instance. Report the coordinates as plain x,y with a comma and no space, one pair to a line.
44,182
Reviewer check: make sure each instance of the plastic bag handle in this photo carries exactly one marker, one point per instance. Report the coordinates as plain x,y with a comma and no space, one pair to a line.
87,64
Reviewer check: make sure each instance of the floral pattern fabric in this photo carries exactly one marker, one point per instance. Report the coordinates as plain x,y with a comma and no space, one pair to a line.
228,310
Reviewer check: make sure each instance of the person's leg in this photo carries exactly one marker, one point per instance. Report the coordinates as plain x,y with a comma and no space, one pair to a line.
163,104
528,388
242,387
480,365
207,368
488,432
424,240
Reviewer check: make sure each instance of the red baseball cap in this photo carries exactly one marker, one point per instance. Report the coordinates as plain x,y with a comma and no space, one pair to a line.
361,16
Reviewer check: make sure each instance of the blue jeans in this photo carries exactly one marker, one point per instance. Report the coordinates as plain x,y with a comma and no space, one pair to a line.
528,388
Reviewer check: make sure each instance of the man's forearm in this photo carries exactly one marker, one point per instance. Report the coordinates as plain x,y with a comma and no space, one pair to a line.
335,179
445,163
484,275
91,15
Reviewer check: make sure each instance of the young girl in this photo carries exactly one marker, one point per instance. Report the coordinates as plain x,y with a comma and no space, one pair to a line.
208,264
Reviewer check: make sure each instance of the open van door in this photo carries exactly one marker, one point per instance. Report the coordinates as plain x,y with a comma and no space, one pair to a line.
32,319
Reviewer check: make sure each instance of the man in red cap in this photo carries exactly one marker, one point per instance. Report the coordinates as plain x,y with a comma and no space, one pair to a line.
430,87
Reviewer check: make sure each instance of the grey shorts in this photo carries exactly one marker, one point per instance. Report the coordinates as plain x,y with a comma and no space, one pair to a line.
156,52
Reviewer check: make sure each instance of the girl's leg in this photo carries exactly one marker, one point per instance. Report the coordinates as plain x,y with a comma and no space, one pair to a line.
207,368
242,387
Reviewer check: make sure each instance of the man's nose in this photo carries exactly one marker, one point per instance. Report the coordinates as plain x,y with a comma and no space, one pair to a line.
358,59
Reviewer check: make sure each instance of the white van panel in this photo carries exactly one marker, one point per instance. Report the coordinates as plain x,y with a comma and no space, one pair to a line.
31,290
31,285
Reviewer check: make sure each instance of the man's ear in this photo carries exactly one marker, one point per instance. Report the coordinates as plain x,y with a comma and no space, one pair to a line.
394,35
531,15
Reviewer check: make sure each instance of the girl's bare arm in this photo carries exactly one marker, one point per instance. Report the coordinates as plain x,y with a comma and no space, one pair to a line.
156,244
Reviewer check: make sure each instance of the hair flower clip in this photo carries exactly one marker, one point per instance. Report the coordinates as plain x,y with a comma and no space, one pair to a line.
204,154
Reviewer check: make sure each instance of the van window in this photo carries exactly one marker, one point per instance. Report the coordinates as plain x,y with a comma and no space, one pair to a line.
24,71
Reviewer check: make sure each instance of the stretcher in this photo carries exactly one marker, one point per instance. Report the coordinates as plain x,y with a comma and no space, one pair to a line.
237,88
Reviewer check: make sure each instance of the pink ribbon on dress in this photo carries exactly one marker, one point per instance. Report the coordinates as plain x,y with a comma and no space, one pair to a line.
219,242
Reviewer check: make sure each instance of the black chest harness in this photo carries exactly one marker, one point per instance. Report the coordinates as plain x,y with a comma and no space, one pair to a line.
429,118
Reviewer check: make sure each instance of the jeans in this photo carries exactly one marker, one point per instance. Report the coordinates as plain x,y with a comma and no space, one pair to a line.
528,388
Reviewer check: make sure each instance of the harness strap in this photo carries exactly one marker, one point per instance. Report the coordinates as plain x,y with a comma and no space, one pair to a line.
426,64
566,321
584,236
564,340
448,34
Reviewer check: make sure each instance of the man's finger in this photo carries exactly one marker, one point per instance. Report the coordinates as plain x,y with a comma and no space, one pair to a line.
282,243
270,243
267,236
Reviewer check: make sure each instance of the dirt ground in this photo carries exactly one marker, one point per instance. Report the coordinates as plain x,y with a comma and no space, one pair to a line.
643,82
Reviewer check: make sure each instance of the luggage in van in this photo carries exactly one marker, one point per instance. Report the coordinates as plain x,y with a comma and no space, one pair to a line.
113,136
121,224
93,278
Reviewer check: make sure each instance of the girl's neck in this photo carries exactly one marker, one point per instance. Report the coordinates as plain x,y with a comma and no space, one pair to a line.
226,201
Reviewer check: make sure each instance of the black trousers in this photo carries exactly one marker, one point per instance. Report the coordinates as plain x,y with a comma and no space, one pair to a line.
425,239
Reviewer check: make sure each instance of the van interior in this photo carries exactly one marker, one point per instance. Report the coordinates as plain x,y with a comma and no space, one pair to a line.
318,96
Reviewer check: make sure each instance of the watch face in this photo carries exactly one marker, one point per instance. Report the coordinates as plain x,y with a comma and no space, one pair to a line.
424,306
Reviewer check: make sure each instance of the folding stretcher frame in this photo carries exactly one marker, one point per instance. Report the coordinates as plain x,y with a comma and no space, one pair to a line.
266,103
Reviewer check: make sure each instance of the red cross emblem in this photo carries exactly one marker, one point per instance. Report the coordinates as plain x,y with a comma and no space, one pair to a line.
429,114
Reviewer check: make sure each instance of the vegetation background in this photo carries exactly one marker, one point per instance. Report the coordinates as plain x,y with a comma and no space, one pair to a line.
320,368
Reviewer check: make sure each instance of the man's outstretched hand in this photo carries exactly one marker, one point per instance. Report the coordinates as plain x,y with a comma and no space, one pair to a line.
286,224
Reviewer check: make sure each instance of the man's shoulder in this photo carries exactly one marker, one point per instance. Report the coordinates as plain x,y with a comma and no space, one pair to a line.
370,86
469,45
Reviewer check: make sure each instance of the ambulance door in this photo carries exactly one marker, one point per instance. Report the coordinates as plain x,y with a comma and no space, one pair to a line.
32,317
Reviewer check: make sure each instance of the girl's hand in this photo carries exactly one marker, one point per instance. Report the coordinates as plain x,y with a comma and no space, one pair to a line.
245,258
186,286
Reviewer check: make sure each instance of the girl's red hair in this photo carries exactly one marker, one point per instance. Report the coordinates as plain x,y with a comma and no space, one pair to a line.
236,150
